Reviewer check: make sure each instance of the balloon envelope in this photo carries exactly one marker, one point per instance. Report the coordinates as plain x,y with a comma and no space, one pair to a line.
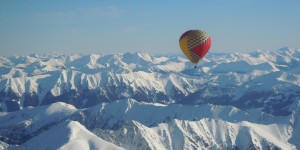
195,44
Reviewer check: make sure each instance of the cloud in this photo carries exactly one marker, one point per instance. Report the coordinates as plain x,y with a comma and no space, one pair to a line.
107,11
57,17
61,17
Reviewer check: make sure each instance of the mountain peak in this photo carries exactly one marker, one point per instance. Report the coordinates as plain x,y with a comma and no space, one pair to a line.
67,135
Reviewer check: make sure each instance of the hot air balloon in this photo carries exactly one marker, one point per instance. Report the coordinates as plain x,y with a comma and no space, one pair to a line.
195,44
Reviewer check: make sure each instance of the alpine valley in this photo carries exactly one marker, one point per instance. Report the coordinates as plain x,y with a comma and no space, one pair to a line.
146,101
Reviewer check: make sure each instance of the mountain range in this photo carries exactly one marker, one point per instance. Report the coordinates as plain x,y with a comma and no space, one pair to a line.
150,101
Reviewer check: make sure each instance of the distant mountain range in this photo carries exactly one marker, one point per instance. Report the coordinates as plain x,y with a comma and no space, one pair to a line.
143,101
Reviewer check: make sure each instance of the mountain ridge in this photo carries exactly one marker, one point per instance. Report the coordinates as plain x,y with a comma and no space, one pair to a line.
160,126
87,80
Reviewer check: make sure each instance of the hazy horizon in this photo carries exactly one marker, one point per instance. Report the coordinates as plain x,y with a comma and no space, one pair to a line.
178,53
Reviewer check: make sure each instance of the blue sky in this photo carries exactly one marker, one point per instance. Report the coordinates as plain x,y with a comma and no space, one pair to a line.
73,26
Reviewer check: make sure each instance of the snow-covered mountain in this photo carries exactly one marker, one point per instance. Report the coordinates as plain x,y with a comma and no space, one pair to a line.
268,80
143,101
138,125
65,136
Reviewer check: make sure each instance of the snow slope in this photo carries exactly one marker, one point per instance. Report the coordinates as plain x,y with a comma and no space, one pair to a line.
65,136
137,125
